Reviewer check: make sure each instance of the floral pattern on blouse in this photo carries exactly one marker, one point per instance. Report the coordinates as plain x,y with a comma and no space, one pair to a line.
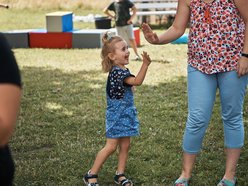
215,41
115,84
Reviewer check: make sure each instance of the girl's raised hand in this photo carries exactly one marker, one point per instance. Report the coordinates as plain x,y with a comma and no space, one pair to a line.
150,36
146,58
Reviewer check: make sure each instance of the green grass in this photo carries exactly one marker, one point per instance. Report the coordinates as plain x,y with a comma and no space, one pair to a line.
61,124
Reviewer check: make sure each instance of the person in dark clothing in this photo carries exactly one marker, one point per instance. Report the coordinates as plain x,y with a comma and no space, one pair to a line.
123,21
10,95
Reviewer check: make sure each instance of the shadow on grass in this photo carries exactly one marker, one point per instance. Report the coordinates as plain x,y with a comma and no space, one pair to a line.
61,128
161,61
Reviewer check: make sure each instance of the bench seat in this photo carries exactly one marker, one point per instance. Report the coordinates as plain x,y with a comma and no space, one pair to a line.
165,12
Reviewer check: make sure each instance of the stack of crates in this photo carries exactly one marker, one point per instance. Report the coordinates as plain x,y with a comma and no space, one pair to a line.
58,32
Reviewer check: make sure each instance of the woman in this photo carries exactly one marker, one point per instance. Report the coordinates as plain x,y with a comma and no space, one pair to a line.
217,59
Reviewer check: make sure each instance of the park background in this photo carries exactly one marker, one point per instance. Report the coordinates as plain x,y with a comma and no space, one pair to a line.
61,124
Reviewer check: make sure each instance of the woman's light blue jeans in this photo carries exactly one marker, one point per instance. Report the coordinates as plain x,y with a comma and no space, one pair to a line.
202,90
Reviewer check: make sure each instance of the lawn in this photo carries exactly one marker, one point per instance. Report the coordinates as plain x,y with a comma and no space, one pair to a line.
61,123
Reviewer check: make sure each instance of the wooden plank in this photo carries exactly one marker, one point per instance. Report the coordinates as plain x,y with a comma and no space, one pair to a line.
168,12
156,5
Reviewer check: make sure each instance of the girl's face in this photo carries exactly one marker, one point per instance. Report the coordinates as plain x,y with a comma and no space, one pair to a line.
120,56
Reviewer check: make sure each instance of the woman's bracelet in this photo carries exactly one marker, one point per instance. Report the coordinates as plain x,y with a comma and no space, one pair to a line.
244,55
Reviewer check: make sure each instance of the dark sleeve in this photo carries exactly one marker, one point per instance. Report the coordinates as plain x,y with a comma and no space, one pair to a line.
9,71
130,4
125,84
116,85
111,7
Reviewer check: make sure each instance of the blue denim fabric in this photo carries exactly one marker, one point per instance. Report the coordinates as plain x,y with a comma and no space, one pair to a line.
202,90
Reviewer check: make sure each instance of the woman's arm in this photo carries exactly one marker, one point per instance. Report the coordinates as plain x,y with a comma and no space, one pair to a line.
176,30
10,96
242,6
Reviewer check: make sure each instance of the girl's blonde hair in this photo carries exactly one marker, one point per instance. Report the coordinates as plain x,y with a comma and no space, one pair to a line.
108,47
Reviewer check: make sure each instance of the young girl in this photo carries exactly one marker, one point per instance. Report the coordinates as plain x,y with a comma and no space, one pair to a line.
121,115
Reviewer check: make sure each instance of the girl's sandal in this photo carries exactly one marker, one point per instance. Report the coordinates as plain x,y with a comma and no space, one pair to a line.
225,182
181,182
89,176
124,181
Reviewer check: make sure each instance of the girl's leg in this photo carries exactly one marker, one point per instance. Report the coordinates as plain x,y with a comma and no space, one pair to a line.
201,96
232,93
124,144
102,155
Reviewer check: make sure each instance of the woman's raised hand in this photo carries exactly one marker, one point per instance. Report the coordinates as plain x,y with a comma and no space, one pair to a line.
150,36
